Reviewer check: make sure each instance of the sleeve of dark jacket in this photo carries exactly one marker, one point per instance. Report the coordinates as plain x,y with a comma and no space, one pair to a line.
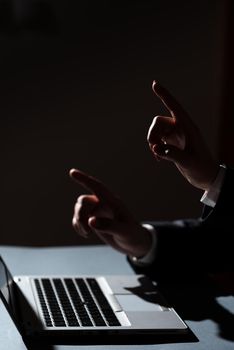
188,248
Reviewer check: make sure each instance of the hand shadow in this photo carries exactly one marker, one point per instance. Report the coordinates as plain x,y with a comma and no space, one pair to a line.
199,301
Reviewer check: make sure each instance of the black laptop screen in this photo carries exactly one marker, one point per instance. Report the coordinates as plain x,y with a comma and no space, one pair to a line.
6,285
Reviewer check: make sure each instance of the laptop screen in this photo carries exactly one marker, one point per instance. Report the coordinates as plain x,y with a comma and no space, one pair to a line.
6,287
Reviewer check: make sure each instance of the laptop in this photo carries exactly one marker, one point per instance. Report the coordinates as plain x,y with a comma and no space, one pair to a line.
80,307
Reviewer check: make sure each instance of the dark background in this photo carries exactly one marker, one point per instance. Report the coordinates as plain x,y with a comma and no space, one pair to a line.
75,88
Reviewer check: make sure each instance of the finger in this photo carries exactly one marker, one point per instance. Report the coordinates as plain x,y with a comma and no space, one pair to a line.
108,225
84,208
113,227
175,109
82,231
160,127
170,153
93,185
107,229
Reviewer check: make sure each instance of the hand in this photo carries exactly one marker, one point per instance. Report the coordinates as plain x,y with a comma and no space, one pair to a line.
104,214
177,139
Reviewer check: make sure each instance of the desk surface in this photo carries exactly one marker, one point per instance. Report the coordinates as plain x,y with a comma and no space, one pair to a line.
209,325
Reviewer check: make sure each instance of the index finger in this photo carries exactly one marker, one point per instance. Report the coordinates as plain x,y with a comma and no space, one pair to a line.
93,185
175,109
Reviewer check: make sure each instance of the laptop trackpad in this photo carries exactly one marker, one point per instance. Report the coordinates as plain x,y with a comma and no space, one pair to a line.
137,303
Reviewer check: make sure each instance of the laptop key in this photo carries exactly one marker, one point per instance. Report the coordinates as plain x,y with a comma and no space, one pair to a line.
53,304
78,304
65,303
103,303
44,307
90,303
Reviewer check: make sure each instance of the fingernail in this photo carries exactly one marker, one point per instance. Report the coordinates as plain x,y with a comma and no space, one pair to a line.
155,85
73,173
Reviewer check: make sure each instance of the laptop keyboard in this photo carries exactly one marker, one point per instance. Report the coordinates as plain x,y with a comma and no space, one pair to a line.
77,302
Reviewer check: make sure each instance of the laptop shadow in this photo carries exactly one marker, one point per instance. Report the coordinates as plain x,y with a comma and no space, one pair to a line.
144,339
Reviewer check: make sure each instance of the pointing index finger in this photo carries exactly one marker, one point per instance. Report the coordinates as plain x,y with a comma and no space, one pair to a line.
169,101
93,185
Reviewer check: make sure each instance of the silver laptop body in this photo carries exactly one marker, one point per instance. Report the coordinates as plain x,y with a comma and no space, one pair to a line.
53,306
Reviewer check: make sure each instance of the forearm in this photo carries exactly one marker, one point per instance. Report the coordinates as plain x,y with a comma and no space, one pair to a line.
178,253
195,246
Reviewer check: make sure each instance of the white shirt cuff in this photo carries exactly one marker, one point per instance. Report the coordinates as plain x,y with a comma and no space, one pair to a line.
211,196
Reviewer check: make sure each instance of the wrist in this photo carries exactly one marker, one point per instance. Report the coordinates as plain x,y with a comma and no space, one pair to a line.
144,243
212,173
149,255
211,196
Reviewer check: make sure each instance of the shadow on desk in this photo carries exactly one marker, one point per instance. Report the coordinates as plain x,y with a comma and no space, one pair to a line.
197,302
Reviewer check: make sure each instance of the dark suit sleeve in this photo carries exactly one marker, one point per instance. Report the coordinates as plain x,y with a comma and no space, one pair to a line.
196,247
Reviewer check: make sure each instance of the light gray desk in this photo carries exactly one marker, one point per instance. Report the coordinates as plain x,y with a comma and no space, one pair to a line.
101,260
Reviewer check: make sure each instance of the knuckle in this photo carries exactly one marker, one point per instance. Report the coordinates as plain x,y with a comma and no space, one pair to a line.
86,199
74,221
84,206
82,199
